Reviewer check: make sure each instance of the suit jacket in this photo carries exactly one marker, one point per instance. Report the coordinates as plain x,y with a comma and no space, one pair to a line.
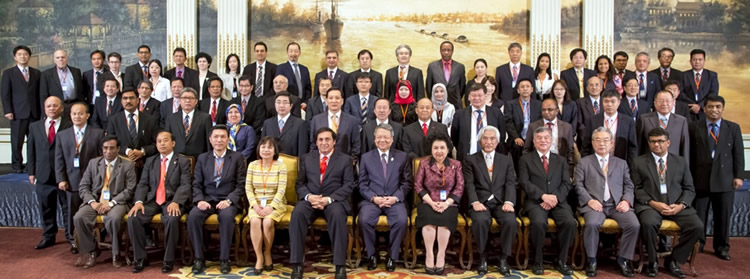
177,183
65,152
570,78
133,75
190,77
646,180
589,181
269,72
413,141
677,127
347,136
376,78
535,182
339,81
153,108
642,108
716,174
514,115
231,185
314,107
337,182
570,115
146,138
674,74
353,106
204,91
461,129
270,102
455,85
394,181
479,186
40,153
368,135
254,112
90,87
564,140
195,141
50,85
585,114
414,76
286,70
205,105
122,181
109,75
165,110
506,91
99,116
293,139
20,97
653,85
683,110
692,94
626,145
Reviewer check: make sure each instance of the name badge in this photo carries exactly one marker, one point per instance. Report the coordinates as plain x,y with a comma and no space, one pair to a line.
263,202
105,194
713,152
76,162
663,189
443,195
218,181
65,88
234,94
96,93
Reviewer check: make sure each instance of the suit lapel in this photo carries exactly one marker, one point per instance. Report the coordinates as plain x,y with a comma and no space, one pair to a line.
495,168
171,167
723,132
538,162
654,172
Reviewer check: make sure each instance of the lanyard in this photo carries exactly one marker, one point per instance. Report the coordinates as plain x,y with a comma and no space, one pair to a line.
661,123
77,141
403,112
266,174
523,108
614,124
64,77
711,132
217,167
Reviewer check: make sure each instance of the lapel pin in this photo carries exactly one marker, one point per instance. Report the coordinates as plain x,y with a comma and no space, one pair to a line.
391,159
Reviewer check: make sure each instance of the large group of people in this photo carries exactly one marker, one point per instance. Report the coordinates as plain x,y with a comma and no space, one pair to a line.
637,146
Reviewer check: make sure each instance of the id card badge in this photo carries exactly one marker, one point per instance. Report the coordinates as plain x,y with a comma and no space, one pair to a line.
234,94
105,194
663,189
96,93
65,88
76,162
443,195
263,202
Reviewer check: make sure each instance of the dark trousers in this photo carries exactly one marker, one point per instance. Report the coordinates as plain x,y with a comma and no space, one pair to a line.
369,213
722,204
137,229
303,214
49,197
198,217
691,230
73,203
19,130
480,227
566,228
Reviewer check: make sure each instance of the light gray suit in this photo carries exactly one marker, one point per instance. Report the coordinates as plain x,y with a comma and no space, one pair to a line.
677,127
590,181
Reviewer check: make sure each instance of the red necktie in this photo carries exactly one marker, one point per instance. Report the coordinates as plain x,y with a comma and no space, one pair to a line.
143,106
51,132
161,190
545,163
179,73
549,125
244,103
323,167
213,112
424,128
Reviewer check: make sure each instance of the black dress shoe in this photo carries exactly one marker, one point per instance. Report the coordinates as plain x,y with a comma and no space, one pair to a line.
44,244
199,265
167,267
116,261
537,269
390,265
482,268
591,269
138,265
340,272
503,267
625,269
439,270
268,267
673,268
652,269
564,268
373,264
724,255
255,271
150,242
225,267
73,249
296,272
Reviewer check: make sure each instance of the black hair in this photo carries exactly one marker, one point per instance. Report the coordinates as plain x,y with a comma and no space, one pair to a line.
179,49
335,89
539,59
171,136
115,55
658,132
144,46
203,55
697,51
21,47
177,79
219,127
161,69
662,50
363,52
323,130
239,64
273,142
99,52
211,80
246,78
714,98
609,93
109,138
577,50
621,53
265,47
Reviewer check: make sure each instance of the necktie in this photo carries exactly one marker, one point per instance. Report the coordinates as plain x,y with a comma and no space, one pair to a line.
105,184
364,109
179,73
145,71
384,163
213,112
131,126
424,129
244,103
335,123
161,190
697,80
323,167
218,165
480,122
665,75
187,124
281,125
79,136
109,107
143,106
545,163
259,82
401,72
714,140
596,107
447,71
633,107
579,74
51,132
526,119
325,106
330,75
26,74
175,105
488,161
298,79
663,180
604,167
663,122
515,74
640,82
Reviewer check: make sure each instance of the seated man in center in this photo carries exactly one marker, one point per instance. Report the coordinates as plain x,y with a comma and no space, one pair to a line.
325,181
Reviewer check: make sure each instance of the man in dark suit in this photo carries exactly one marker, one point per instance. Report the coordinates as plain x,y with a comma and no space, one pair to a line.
620,61
468,121
297,75
382,111
664,190
604,190
252,106
218,188
491,191
449,72
324,186
62,81
139,71
621,126
317,104
519,113
135,130
171,105
384,177
365,66
189,126
280,83
41,168
716,151
109,105
545,178
20,95
291,131
680,107
575,76
261,72
165,189
676,125
215,106
631,105
113,63
92,78
403,71
648,83
413,141
665,70
146,104
337,76
509,74
562,133
74,148
344,125
589,106
698,83
362,104
106,189
188,75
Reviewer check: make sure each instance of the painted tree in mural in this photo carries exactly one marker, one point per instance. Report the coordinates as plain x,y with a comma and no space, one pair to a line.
739,16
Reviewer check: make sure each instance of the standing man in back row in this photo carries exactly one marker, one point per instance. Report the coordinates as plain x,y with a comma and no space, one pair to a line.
577,77
297,75
137,72
261,71
508,74
365,66
449,72
403,71
20,95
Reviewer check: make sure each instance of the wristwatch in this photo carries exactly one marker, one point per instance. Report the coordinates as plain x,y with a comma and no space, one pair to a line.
111,204
229,201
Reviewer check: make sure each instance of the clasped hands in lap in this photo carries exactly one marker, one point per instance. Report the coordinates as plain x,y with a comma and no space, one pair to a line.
666,209
623,206
318,201
173,209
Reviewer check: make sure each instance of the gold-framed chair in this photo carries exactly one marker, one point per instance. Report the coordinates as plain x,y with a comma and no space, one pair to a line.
668,228
609,226
551,228
495,229
381,226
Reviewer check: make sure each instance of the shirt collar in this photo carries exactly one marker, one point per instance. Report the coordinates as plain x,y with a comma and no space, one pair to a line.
698,72
82,130
517,65
380,153
542,154
365,96
631,98
492,155
422,123
222,155
656,158
365,71
449,62
188,114
645,74
112,163
169,156
483,108
259,64
57,120
661,69
321,155
718,122
21,68
292,63
594,99
553,121
613,117
285,118
338,114
146,100
334,70
599,158
663,116
127,113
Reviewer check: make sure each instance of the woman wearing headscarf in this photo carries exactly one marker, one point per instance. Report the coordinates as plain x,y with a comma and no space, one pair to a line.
443,111
402,109
241,135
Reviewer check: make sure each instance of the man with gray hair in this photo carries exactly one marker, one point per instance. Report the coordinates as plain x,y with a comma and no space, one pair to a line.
648,82
384,177
509,74
404,71
190,127
63,81
491,188
605,191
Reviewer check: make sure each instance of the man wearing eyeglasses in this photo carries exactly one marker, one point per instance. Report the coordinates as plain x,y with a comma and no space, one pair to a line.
562,133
